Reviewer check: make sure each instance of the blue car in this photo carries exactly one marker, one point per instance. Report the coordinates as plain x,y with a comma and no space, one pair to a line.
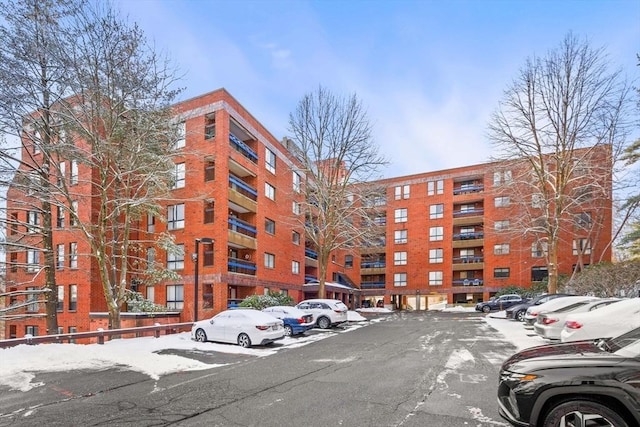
296,321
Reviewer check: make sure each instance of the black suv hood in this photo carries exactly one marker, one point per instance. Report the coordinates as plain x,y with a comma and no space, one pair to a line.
566,355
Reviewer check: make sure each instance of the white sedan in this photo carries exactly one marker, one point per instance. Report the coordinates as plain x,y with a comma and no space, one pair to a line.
245,327
612,320
549,324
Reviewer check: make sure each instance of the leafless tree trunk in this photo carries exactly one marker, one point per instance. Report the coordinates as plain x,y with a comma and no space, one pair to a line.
560,130
338,160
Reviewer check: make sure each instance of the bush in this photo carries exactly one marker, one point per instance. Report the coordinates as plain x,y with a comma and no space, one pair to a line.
263,301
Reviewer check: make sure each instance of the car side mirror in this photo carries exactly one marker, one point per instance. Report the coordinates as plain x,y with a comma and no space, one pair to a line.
211,321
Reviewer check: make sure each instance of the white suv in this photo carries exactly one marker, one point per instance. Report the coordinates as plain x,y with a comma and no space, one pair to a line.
327,312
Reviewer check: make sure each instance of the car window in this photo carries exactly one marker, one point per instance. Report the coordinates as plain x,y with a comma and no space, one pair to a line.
304,306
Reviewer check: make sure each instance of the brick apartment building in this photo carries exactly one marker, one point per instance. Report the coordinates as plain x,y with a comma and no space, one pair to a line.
233,209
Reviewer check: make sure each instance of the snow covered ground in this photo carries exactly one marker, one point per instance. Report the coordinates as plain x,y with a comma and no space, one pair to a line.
19,364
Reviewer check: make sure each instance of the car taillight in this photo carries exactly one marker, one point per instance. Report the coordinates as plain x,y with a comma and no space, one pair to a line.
300,320
549,320
572,324
534,314
262,327
338,310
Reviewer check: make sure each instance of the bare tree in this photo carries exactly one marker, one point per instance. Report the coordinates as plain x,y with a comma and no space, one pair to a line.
338,160
560,130
91,92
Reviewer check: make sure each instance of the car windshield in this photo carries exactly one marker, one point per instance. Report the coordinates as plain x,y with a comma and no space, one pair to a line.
627,345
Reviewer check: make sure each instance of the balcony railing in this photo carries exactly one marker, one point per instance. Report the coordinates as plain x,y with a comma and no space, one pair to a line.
372,285
373,264
467,259
243,148
468,282
468,236
242,227
310,253
237,265
476,188
468,212
243,188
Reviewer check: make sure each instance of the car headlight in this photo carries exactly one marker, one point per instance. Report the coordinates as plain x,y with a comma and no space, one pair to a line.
516,376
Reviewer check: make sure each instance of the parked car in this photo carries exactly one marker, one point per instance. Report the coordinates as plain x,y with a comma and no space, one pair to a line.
609,321
555,304
549,324
327,312
295,320
501,303
584,383
242,326
518,311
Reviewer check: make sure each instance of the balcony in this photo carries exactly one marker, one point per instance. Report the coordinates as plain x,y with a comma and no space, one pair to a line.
468,282
242,195
372,267
468,188
310,253
372,285
241,233
468,263
468,236
241,266
243,148
468,212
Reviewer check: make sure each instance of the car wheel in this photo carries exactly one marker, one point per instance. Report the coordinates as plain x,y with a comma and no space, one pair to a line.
201,335
486,309
288,330
324,323
579,412
519,316
244,340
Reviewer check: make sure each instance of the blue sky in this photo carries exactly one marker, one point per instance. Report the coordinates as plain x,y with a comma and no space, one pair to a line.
429,72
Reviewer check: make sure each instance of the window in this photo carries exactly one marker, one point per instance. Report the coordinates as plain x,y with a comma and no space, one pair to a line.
14,224
295,237
402,192
399,258
210,126
400,236
151,223
500,272
270,160
179,172
501,249
435,278
32,298
269,226
436,256
60,217
175,260
539,249
175,217
151,294
74,172
60,256
466,208
181,133
13,261
33,261
209,210
435,187
74,213
296,208
269,191
538,274
502,177
73,255
295,267
61,173
73,297
207,254
207,295
32,221
296,182
29,329
583,220
348,261
209,170
536,201
60,304
581,246
175,297
269,260
436,233
502,201
151,258
400,279
436,211
401,215
502,224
